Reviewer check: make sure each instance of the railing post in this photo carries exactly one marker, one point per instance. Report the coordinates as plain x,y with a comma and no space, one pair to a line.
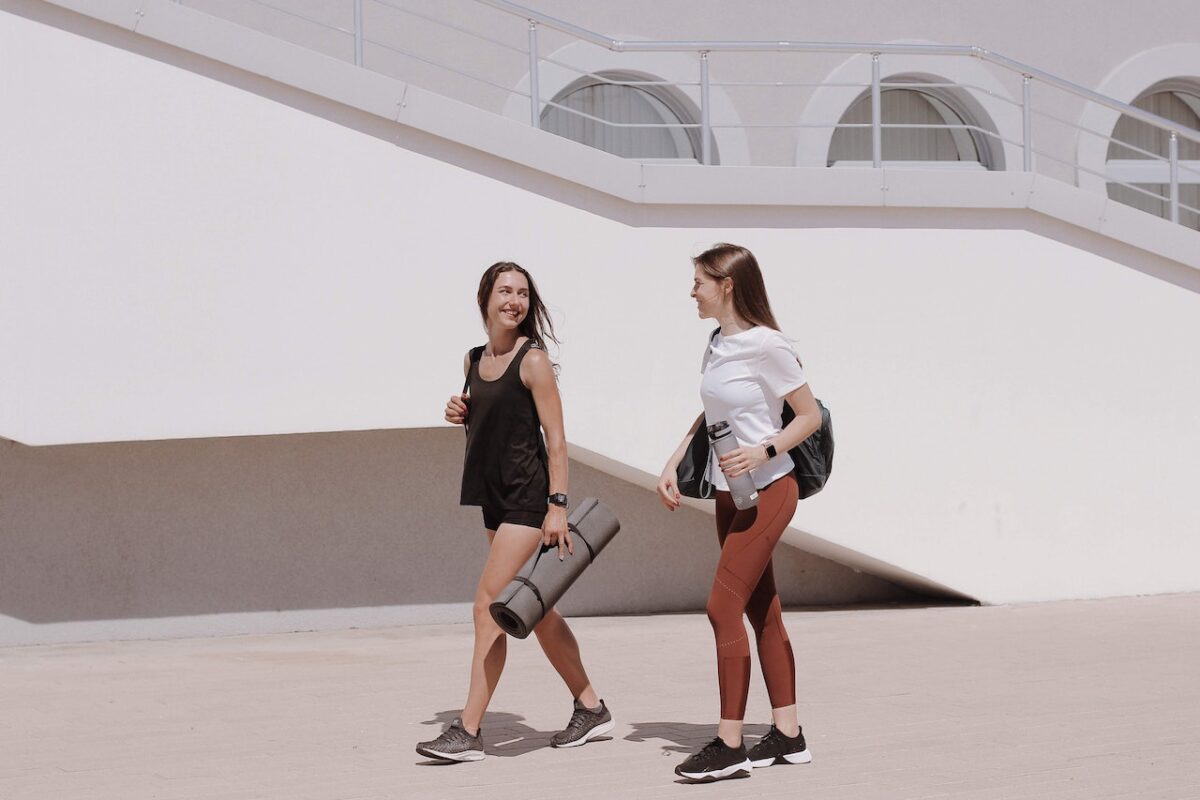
705,122
1173,152
1027,121
876,114
358,33
535,100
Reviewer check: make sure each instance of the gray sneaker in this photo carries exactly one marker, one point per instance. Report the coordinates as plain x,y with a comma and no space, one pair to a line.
585,724
455,744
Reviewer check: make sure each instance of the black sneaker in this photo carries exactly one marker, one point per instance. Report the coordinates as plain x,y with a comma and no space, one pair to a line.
585,724
455,744
716,761
775,748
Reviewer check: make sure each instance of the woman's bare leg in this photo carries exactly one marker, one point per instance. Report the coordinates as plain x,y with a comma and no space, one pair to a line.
786,720
557,641
511,546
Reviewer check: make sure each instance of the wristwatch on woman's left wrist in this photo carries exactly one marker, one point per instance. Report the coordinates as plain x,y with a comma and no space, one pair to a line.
770,448
557,499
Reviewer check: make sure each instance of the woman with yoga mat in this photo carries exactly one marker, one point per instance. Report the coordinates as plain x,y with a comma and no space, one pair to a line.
749,371
511,398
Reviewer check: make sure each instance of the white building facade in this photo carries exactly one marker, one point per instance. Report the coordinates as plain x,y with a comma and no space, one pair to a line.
240,271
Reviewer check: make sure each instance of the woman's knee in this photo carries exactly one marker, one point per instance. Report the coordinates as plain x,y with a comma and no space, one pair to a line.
727,599
482,613
551,621
722,613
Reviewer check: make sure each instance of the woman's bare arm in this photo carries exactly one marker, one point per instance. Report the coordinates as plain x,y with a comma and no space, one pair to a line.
668,490
537,373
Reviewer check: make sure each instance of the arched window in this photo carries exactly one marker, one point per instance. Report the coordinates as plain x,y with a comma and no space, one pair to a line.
913,106
1178,101
584,111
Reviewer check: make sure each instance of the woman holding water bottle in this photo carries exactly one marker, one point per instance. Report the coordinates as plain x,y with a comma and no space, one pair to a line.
749,371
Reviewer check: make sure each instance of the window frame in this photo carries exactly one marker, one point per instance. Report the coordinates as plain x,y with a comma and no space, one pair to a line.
673,101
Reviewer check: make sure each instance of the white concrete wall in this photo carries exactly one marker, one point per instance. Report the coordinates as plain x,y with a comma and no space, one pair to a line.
1015,417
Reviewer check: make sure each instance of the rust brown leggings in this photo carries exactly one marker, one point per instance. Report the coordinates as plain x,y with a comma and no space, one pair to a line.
745,584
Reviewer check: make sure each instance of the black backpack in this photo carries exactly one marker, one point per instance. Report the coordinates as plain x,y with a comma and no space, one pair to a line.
812,458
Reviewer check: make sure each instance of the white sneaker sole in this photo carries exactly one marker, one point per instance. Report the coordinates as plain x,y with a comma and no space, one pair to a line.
719,774
803,757
466,755
600,729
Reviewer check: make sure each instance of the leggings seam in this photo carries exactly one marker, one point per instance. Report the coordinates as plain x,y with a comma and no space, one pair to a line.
768,524
719,566
726,587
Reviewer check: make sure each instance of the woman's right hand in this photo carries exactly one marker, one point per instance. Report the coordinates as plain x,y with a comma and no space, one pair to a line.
456,409
668,491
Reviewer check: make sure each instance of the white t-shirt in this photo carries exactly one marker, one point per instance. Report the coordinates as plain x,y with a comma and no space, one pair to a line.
746,376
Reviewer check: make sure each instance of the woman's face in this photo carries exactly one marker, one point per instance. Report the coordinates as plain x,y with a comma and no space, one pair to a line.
709,294
509,303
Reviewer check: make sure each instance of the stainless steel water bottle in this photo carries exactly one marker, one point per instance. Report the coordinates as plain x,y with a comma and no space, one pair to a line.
722,440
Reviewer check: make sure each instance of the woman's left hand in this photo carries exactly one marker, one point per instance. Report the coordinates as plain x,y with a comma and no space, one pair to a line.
743,459
554,530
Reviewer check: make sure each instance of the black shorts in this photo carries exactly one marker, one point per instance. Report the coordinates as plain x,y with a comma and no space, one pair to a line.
493,518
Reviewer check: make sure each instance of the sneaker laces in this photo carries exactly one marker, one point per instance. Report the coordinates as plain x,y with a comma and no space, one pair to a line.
771,736
579,717
457,733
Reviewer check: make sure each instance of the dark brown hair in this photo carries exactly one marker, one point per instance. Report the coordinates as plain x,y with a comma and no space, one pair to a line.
537,324
750,301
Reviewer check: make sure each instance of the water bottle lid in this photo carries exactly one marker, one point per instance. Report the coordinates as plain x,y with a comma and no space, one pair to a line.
718,429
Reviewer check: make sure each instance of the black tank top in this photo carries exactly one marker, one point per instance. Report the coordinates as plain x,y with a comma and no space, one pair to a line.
505,466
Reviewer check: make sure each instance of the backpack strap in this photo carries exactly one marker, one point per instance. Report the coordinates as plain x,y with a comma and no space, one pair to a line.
476,354
711,336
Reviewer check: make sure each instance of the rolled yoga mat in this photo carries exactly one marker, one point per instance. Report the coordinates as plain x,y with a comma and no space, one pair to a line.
544,579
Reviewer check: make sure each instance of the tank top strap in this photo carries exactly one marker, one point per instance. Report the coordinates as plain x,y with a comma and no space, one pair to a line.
515,368
475,354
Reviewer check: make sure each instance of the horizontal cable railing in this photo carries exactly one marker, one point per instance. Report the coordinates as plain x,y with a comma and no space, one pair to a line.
297,15
518,82
451,26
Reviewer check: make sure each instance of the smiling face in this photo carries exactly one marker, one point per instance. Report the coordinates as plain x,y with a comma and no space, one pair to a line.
508,304
710,294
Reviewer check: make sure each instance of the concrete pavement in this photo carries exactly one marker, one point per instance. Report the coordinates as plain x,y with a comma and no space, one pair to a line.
1097,699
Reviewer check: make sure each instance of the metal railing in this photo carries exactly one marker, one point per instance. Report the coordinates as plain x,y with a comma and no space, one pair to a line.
1170,167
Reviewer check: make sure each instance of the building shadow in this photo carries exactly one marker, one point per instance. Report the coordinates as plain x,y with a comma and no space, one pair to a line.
265,524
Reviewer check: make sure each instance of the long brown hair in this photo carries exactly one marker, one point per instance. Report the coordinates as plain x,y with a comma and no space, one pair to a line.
731,261
537,324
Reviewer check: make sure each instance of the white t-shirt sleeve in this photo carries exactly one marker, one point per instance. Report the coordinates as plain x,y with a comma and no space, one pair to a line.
779,366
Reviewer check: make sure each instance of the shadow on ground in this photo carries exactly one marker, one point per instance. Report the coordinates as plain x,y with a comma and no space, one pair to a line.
504,734
686,738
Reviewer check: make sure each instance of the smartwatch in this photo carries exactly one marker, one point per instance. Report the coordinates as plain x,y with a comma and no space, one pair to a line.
770,449
557,499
